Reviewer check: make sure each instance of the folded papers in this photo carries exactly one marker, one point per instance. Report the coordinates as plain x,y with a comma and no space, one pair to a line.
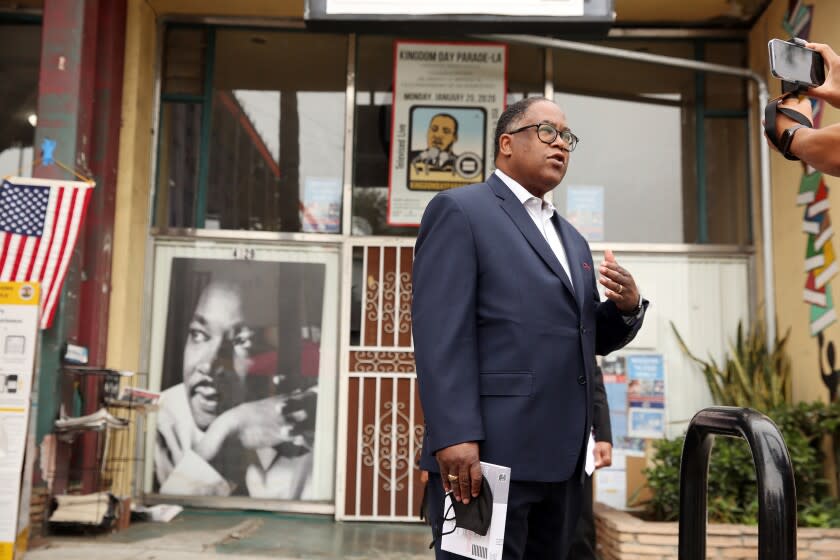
90,509
97,421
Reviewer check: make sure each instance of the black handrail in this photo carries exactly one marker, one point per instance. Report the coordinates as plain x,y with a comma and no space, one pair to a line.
776,488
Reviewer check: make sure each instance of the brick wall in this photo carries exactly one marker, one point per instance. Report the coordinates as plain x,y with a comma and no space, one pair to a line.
624,537
37,510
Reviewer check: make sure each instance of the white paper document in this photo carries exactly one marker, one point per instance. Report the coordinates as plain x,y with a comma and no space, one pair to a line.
589,467
470,545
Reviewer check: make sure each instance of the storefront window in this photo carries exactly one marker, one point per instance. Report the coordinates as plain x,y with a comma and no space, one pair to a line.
374,79
19,67
180,137
725,93
626,168
263,147
657,162
726,180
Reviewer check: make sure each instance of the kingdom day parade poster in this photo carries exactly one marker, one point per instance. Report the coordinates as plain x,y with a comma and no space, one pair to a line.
447,99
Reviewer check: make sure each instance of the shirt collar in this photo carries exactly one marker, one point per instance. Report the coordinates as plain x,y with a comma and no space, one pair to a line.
522,194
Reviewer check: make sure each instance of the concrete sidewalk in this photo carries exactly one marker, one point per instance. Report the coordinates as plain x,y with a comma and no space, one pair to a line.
203,535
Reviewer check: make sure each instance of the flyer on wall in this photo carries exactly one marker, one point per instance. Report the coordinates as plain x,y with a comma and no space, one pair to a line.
447,99
614,369
646,396
19,314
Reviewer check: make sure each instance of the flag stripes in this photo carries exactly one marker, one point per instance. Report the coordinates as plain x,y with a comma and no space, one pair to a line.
45,258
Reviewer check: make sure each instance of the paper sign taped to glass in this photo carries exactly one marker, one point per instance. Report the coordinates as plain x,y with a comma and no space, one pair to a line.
469,544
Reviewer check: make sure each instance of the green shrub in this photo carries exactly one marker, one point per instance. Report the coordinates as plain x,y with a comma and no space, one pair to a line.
732,492
753,376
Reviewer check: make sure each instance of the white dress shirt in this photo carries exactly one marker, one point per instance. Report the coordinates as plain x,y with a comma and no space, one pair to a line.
540,212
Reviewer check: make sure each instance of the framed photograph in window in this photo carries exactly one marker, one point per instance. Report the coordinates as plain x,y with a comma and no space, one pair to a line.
244,353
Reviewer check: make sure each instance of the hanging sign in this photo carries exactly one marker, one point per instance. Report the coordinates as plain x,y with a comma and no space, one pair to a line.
429,17
546,8
447,99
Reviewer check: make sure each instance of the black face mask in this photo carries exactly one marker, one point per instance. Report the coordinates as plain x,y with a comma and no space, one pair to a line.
474,516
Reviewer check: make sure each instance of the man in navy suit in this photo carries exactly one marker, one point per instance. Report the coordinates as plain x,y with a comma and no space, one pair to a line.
507,322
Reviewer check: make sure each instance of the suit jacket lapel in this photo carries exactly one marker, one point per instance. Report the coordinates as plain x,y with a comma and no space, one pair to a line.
516,211
575,258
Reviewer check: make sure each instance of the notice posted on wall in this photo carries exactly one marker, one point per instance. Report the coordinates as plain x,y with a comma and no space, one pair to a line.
646,396
447,99
614,369
18,344
585,210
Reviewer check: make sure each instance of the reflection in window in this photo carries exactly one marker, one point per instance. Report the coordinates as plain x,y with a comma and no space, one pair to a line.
184,60
273,141
16,160
277,161
638,196
686,181
19,66
180,136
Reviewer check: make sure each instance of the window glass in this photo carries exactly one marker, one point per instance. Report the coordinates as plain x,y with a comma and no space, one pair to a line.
726,181
624,177
634,176
374,79
269,156
582,73
19,67
180,135
277,141
183,61
726,93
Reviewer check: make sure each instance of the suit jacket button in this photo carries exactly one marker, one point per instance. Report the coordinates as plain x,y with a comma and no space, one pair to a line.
582,380
582,329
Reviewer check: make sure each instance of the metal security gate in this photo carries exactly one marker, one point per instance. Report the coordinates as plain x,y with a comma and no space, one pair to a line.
380,422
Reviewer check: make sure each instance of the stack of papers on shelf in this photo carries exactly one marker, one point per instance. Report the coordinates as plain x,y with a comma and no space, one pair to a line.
99,420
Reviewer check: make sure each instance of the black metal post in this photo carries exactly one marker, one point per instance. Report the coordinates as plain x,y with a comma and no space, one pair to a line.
776,489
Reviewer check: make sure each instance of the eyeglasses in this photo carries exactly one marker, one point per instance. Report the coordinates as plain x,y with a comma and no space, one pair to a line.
548,134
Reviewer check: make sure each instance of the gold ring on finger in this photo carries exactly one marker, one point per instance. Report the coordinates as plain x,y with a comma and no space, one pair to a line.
452,477
620,288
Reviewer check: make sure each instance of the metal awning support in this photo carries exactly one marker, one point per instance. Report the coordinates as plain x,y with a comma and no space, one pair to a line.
764,150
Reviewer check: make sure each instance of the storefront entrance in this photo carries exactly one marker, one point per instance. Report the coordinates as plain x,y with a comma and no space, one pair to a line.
280,287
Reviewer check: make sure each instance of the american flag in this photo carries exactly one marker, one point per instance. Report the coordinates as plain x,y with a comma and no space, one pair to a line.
40,221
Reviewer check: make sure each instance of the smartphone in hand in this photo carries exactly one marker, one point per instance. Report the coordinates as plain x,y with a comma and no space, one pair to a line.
796,64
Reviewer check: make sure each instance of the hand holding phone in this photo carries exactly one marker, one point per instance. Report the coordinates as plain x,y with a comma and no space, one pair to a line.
830,90
796,64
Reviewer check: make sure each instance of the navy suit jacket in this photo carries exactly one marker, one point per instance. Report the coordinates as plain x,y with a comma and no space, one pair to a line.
505,348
